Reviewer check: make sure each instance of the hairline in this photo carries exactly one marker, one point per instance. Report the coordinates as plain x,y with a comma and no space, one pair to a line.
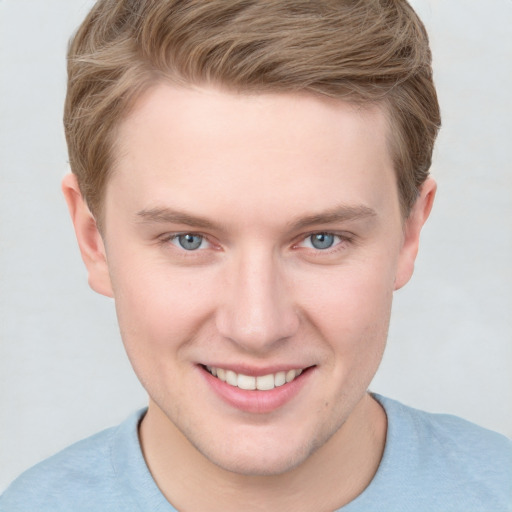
156,79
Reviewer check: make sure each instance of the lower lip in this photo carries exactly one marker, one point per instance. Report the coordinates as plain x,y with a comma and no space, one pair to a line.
256,401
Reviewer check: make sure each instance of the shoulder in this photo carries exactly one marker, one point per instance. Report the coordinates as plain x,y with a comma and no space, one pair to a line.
439,455
448,436
74,478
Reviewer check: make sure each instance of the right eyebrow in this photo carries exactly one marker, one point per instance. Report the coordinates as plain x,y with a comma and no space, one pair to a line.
338,214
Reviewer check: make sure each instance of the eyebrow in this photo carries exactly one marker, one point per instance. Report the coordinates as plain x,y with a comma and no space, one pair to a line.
334,215
337,214
171,216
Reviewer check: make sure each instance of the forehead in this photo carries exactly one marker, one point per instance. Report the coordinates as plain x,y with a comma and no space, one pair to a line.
210,148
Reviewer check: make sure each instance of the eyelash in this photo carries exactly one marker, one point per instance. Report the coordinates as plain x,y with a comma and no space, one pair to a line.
343,240
319,234
170,238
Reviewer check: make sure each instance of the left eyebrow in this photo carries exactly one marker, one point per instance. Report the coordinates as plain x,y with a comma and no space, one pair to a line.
338,214
171,216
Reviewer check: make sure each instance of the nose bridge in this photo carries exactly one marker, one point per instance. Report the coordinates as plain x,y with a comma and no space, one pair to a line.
257,311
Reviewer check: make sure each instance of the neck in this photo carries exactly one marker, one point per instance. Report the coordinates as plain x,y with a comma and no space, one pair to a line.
331,477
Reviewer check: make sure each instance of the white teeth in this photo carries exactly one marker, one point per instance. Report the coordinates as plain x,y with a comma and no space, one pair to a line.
262,383
290,375
280,378
212,370
246,382
231,378
265,382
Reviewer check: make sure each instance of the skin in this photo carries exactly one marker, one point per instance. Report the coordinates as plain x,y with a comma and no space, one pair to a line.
255,176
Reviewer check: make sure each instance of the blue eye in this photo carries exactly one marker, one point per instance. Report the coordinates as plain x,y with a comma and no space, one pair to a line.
322,240
189,241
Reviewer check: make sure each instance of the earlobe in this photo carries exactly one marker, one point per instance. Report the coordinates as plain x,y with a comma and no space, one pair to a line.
412,229
88,237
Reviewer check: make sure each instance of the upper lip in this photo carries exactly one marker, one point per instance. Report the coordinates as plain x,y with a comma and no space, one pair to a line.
254,371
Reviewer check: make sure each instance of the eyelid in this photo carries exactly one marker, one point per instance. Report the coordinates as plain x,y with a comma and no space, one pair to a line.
307,239
172,237
344,238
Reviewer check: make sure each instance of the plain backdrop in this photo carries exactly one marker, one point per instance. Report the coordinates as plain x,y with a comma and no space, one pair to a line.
63,372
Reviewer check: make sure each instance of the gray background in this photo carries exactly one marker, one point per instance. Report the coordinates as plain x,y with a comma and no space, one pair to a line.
63,372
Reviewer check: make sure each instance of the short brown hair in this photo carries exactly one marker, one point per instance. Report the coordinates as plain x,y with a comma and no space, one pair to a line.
364,51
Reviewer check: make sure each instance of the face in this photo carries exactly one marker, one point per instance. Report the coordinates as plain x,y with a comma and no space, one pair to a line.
253,242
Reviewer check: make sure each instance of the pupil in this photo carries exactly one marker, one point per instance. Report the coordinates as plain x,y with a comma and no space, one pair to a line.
190,242
322,240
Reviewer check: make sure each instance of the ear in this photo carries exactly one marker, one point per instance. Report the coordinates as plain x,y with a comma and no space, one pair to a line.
412,229
88,236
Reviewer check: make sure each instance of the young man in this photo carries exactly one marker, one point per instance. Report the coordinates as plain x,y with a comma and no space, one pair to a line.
249,184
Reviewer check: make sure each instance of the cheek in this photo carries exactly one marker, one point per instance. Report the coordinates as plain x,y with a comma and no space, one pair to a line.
351,314
352,301
158,310
160,316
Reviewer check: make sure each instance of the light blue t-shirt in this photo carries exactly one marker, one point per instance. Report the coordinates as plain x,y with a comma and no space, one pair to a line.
431,463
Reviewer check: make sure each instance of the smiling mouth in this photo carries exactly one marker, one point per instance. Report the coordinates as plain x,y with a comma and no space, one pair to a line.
250,383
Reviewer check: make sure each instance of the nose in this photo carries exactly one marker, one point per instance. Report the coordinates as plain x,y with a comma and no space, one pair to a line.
257,311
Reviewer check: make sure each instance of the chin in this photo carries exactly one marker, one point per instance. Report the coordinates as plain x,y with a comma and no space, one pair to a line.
259,464
260,456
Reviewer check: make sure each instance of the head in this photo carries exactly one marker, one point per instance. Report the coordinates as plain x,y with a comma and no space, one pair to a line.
364,52
251,181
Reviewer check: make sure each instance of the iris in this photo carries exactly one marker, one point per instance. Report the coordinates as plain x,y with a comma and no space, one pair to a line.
190,242
322,240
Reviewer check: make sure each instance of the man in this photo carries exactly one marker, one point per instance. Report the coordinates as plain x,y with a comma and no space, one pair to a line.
249,183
